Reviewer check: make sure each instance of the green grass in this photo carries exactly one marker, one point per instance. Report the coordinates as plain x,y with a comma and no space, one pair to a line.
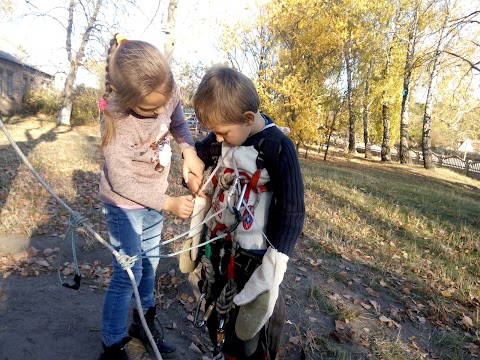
414,233
401,220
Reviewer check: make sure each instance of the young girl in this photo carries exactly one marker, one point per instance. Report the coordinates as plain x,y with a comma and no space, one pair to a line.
141,105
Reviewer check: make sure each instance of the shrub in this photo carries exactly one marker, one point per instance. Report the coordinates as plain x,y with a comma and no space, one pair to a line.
41,101
85,106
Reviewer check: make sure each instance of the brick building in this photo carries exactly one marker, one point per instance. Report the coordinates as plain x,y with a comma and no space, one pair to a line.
16,79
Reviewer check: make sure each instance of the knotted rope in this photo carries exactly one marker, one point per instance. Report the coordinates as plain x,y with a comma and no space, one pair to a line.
225,301
89,229
208,274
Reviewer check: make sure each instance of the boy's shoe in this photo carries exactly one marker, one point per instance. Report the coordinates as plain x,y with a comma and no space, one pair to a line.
137,331
115,352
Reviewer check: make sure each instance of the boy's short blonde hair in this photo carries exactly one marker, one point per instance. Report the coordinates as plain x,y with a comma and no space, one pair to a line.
223,96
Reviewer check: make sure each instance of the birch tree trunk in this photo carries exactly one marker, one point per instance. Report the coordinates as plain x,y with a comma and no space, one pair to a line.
385,154
430,100
171,23
366,137
347,50
386,131
404,151
75,60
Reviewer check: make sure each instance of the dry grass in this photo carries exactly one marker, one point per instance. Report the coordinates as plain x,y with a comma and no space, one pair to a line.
417,231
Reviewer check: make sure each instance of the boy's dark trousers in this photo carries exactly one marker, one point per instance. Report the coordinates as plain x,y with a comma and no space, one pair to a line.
265,344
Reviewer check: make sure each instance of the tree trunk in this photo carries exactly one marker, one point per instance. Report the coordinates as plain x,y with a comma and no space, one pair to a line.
171,23
351,116
386,132
429,102
366,137
404,151
426,139
330,131
67,103
75,61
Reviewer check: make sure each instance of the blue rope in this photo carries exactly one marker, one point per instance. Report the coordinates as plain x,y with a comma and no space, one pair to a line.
75,220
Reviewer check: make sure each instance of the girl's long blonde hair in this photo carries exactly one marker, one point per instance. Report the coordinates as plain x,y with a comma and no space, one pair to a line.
134,69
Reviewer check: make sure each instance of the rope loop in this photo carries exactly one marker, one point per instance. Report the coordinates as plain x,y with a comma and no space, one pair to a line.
226,180
225,301
126,261
208,274
76,219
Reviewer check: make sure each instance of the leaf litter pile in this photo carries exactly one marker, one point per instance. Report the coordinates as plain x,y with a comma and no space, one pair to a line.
344,301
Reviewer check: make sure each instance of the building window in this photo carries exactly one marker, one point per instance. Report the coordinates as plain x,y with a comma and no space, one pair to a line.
9,83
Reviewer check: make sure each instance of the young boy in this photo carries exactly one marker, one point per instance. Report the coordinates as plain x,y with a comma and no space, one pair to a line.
258,205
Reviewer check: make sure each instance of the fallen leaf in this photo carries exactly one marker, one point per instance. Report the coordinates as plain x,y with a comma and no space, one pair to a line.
343,333
473,348
334,297
413,345
446,293
366,306
389,321
421,319
375,305
467,321
372,292
383,318
315,262
43,263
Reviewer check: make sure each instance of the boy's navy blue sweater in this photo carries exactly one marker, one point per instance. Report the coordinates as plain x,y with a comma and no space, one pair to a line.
287,210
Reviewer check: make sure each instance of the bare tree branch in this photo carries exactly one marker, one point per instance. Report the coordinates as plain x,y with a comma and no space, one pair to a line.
473,65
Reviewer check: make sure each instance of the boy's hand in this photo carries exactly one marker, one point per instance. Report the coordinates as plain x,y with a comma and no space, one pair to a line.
181,206
194,184
192,165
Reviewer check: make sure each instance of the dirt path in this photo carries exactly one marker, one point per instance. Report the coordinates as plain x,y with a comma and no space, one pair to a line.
40,319
332,310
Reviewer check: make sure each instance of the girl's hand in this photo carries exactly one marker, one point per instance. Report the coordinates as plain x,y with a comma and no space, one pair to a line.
194,184
182,206
192,164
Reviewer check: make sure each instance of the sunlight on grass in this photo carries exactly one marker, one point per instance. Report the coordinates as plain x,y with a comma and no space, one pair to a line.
384,349
398,221
415,232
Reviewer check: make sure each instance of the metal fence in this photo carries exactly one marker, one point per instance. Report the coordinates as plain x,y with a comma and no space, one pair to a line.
468,167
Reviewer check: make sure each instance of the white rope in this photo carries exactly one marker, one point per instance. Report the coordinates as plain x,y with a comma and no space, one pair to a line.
237,175
93,232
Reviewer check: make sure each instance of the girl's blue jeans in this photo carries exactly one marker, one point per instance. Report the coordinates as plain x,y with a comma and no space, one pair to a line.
131,232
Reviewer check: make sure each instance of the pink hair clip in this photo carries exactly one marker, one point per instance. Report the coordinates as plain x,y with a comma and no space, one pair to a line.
102,103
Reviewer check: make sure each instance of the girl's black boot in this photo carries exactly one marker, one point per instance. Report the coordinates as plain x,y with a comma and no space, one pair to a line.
137,331
115,352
